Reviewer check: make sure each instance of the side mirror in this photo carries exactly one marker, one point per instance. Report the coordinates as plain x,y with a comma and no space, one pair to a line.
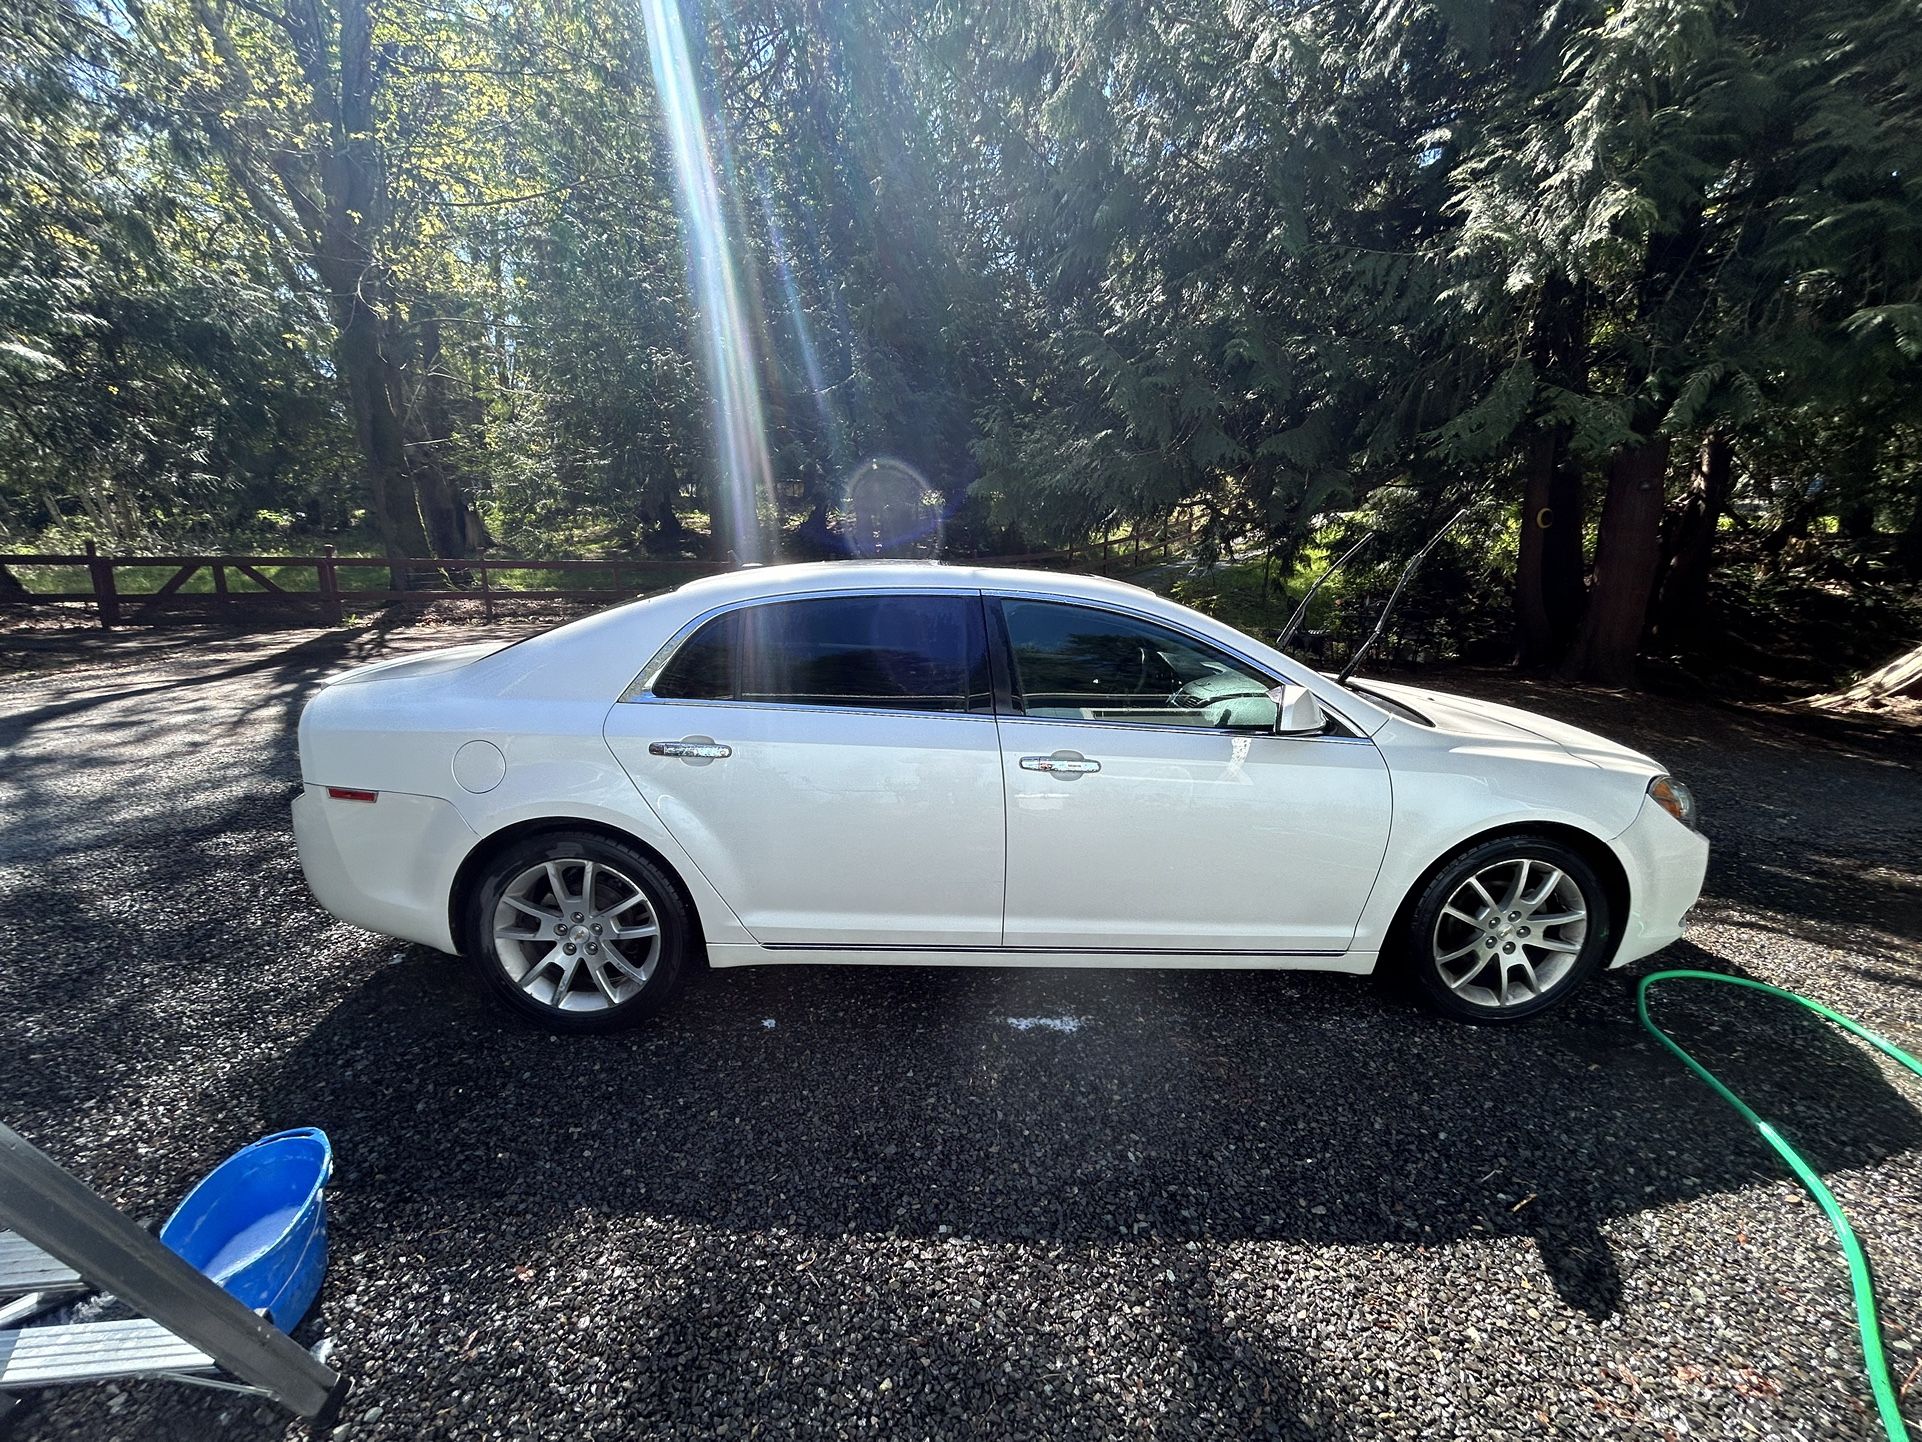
1297,712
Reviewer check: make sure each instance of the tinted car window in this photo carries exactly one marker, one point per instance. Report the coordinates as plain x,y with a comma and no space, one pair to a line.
1085,664
913,653
703,669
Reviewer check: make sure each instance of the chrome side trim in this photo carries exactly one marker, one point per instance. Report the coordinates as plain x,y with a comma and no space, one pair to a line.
1253,731
1047,950
652,700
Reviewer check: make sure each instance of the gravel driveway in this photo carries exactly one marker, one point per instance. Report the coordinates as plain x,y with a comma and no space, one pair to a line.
851,1201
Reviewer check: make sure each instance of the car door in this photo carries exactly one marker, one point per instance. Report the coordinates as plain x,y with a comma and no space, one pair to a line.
1152,807
830,764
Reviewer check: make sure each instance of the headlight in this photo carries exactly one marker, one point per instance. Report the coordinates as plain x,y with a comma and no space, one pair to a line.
1674,798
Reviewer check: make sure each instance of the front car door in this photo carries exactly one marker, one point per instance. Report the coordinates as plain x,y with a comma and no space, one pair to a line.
830,764
1152,807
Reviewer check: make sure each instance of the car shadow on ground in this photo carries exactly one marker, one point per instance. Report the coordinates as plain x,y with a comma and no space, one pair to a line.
1095,1123
1077,1109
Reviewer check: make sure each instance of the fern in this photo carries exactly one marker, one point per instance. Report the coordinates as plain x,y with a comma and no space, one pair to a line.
1485,427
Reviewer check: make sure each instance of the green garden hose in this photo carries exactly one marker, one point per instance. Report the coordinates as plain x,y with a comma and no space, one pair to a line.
1880,1382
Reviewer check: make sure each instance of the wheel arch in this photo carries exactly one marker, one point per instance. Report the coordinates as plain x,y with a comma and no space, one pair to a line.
474,865
1590,847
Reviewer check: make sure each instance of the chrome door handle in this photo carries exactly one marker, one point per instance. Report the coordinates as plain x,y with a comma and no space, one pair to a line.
702,750
1062,763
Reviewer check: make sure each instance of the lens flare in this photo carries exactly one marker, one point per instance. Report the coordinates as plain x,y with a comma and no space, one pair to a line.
893,511
727,342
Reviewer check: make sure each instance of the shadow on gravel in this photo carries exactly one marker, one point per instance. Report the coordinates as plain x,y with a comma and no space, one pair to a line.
136,864
290,673
1207,1105
1810,896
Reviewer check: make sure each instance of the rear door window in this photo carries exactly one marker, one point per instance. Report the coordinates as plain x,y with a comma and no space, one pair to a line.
906,652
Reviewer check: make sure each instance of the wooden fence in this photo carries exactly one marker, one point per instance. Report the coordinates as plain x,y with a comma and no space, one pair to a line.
329,600
1108,555
241,589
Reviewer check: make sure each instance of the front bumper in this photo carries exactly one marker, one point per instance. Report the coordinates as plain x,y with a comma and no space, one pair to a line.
1665,862
387,865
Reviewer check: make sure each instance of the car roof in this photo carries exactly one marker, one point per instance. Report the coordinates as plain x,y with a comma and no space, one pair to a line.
813,576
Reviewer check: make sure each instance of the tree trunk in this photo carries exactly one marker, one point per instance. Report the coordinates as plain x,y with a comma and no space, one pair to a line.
10,584
670,535
1855,512
1548,574
1856,519
1628,555
1684,587
1908,550
324,200
377,427
444,511
1798,509
443,502
1548,570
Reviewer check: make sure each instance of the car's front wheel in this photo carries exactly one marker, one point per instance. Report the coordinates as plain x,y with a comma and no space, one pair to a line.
1507,930
578,931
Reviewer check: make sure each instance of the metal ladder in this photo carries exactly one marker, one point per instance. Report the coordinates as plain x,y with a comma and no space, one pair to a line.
65,1240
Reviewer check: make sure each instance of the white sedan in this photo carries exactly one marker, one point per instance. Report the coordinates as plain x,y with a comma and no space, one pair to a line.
924,764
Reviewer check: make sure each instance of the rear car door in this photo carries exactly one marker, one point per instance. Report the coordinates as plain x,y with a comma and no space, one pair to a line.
830,764
1152,807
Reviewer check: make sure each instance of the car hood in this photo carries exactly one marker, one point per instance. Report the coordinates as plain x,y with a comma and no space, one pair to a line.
1471,718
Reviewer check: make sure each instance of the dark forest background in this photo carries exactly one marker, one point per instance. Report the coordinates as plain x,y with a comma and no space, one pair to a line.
1640,283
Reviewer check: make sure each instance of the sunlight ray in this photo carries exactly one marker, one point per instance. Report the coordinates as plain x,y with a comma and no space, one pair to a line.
729,353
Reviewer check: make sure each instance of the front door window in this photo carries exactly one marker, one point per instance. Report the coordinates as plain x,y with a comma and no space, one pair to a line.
1079,663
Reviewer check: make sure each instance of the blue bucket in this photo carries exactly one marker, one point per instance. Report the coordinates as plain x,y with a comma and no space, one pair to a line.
257,1223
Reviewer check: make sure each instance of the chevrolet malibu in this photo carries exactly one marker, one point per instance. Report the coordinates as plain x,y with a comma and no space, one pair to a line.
921,764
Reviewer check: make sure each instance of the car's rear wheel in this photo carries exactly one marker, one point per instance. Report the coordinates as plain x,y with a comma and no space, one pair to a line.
1507,930
578,931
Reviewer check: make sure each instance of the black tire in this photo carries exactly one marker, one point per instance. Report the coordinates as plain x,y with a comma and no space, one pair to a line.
585,1006
1466,989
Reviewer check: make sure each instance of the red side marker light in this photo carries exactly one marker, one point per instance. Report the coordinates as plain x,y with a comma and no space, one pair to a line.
349,793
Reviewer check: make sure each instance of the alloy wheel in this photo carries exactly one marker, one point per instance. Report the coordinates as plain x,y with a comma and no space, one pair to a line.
1510,933
577,935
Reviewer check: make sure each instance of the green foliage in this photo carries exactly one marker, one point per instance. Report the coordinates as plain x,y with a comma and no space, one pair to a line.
155,383
1485,428
1080,266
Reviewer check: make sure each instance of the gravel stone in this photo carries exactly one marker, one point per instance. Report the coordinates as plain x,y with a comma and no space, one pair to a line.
859,1202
